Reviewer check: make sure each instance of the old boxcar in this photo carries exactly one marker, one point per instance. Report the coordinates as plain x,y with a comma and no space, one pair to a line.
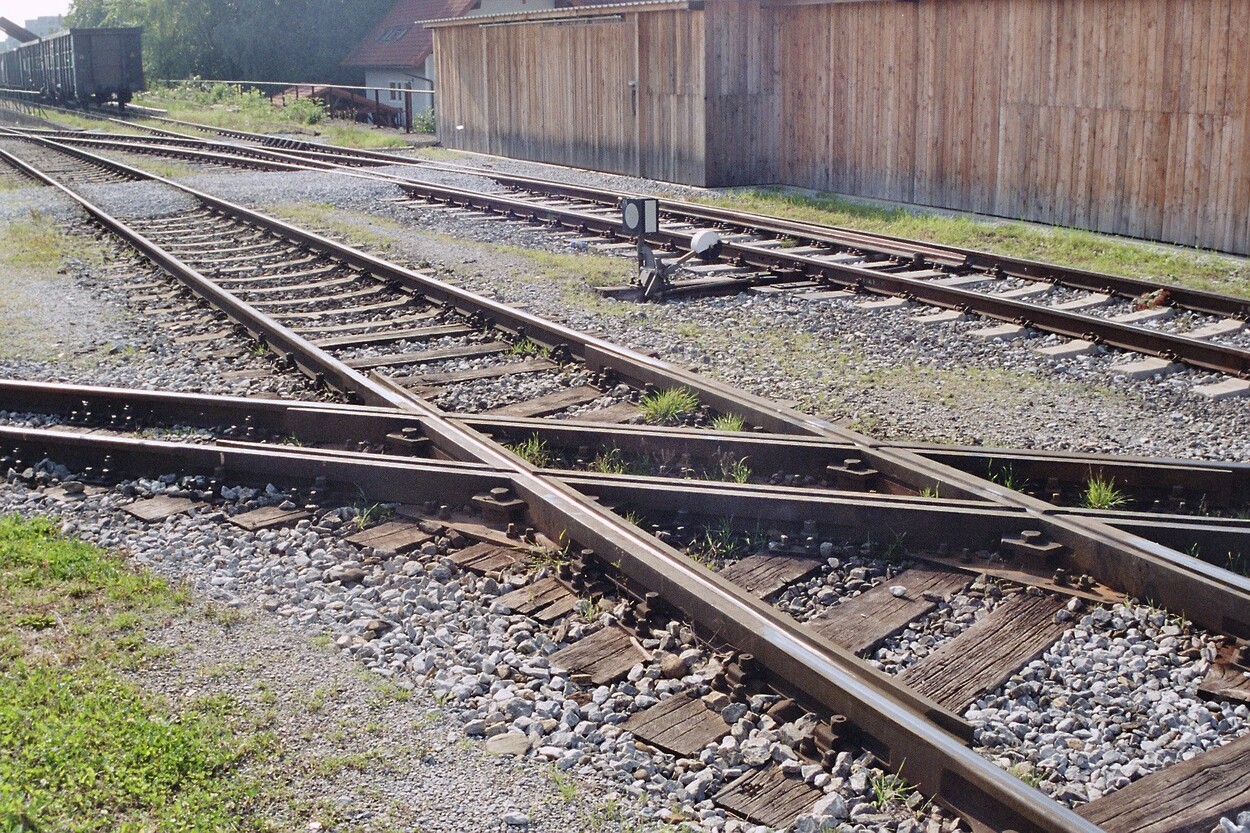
78,65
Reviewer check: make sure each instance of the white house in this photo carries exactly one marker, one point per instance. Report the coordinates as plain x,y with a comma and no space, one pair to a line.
398,53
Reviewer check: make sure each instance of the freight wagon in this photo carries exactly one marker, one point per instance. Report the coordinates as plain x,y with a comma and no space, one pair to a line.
78,66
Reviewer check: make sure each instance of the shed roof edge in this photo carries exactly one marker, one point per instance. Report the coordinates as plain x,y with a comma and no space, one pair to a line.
565,14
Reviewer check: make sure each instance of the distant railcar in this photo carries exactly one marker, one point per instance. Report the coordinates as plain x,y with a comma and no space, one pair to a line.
78,66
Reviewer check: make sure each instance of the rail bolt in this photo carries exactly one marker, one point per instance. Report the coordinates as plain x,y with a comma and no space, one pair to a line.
648,610
828,736
852,475
499,505
1031,544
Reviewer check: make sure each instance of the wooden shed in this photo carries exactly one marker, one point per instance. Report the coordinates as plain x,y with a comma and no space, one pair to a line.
1124,116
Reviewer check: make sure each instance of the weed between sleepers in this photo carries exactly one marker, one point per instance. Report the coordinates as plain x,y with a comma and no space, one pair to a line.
728,422
533,450
527,348
670,406
1102,494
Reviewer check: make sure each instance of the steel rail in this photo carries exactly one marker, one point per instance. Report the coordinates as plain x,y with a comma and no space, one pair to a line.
118,408
939,762
240,157
927,524
255,420
20,394
409,480
1193,299
1224,359
1226,482
164,140
900,724
329,423
1120,559
398,479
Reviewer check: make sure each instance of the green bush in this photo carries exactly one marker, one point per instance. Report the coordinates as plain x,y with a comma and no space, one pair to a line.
425,122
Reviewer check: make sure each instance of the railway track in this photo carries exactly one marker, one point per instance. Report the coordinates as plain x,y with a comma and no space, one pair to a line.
1172,326
287,289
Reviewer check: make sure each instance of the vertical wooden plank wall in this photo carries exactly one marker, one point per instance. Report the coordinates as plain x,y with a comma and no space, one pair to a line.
459,101
742,99
671,86
1125,116
561,92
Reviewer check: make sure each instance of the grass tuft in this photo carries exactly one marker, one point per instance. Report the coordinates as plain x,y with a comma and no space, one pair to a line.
888,788
728,422
533,450
1102,494
527,348
1005,476
610,461
733,469
564,784
669,407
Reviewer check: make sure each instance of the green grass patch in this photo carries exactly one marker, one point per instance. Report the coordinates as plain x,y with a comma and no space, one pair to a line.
352,135
344,226
585,269
90,121
229,107
82,746
167,168
1068,247
39,241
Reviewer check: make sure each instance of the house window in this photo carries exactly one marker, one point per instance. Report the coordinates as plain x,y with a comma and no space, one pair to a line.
394,91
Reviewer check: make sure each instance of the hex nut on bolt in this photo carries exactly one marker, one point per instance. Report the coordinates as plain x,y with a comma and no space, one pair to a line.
499,506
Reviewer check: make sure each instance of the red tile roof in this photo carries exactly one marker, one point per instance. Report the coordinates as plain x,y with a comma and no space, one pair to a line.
398,40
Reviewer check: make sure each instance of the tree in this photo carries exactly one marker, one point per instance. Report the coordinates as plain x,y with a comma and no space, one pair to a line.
260,40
